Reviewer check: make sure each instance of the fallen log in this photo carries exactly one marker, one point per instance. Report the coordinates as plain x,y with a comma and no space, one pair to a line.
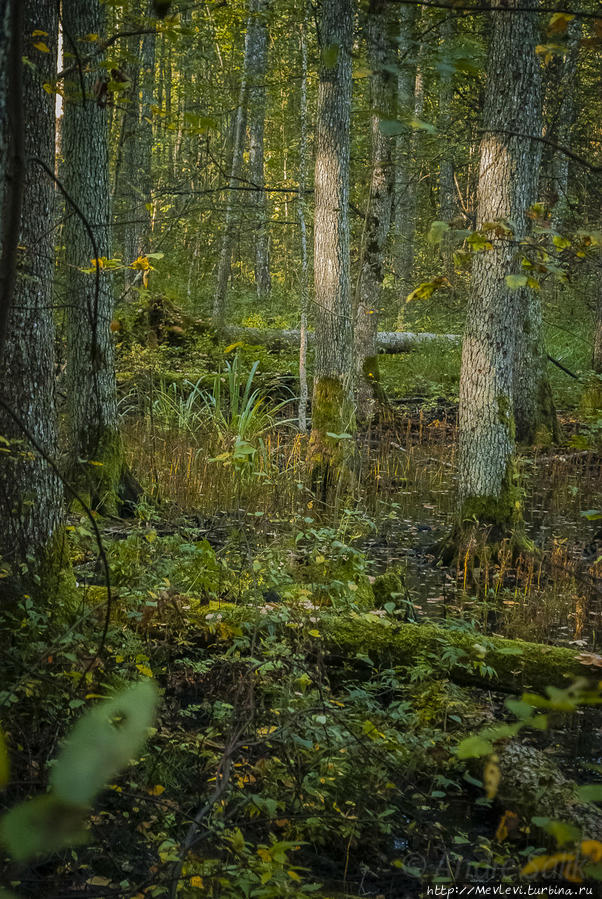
464,657
388,342
490,661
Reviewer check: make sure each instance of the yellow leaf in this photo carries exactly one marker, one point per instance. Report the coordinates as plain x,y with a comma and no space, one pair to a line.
314,633
196,881
593,850
42,47
157,789
39,33
508,823
491,778
547,862
233,346
145,670
293,875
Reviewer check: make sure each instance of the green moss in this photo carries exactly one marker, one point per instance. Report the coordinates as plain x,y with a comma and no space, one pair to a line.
331,456
385,586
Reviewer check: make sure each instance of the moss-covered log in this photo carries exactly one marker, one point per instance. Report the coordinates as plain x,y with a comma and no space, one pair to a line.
497,662
462,656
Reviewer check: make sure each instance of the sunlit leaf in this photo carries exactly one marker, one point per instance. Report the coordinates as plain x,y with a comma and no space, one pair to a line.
516,281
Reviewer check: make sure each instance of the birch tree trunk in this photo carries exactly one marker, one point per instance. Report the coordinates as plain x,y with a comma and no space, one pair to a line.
95,444
408,170
304,286
380,36
257,72
31,494
506,187
225,258
332,408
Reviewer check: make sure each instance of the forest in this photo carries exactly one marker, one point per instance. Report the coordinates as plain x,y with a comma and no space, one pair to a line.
300,448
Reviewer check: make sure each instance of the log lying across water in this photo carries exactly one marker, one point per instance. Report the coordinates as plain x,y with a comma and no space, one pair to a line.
388,342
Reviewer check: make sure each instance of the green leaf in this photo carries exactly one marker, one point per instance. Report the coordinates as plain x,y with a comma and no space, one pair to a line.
391,127
473,747
590,793
516,281
330,56
41,826
436,232
102,742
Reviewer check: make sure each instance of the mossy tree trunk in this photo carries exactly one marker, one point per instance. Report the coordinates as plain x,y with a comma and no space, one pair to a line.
381,35
31,495
332,407
95,445
257,73
506,188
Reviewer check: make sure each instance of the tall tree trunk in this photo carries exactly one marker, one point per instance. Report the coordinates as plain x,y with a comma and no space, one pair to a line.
225,258
534,412
257,72
5,34
95,444
133,177
332,407
381,39
304,286
407,169
564,104
506,188
447,190
31,495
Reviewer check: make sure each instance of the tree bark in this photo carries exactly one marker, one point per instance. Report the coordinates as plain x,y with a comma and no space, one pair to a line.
304,286
31,496
387,342
533,404
225,258
381,41
332,408
95,446
534,410
564,116
411,96
486,418
447,190
257,72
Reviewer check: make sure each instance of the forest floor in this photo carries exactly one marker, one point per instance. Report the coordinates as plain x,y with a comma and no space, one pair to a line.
294,752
